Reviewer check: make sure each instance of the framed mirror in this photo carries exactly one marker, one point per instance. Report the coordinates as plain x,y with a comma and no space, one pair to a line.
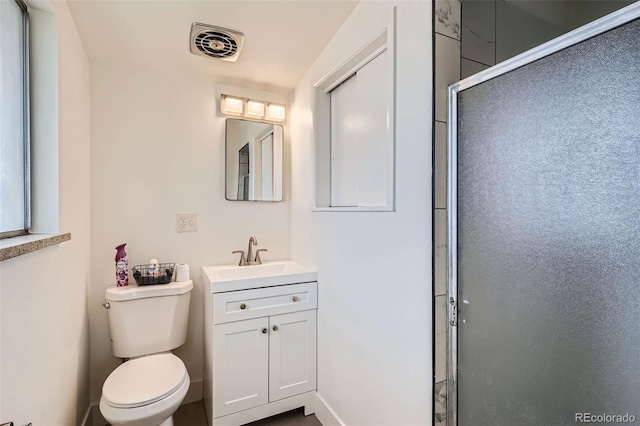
253,161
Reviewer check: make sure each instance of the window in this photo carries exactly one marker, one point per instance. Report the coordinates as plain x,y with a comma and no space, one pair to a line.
14,119
353,132
359,136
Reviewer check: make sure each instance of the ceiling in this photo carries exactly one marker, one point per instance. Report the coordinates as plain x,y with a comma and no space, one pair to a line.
282,38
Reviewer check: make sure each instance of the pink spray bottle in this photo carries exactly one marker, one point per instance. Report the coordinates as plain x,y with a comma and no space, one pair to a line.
122,266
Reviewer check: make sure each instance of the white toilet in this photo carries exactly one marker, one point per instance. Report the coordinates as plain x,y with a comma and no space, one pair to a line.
146,323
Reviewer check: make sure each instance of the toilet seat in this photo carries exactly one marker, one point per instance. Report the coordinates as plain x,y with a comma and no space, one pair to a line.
143,381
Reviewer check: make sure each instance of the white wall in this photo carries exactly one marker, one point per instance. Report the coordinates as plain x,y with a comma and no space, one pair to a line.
374,269
157,148
45,328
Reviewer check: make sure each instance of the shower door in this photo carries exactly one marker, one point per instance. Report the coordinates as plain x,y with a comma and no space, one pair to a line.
544,233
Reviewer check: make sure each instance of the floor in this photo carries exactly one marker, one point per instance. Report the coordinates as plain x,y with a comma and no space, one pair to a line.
193,415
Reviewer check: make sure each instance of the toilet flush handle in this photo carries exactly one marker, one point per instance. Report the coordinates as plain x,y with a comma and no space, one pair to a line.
106,305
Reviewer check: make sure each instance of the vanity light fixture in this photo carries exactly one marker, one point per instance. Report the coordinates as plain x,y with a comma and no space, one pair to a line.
255,109
276,112
252,108
231,106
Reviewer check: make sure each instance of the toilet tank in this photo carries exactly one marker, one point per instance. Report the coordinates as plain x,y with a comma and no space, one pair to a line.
145,320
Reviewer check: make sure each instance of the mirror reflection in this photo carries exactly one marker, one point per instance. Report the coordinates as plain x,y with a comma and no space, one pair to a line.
253,170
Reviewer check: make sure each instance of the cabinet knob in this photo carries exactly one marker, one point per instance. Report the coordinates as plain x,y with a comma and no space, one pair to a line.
264,330
275,328
243,306
295,298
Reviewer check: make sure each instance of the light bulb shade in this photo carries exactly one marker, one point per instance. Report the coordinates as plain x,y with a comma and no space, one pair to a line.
255,109
276,112
233,106
252,109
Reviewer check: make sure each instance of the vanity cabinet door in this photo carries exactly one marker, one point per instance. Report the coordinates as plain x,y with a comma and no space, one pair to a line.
292,354
240,365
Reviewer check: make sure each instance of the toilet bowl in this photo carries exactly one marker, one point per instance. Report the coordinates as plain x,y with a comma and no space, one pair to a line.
145,324
145,391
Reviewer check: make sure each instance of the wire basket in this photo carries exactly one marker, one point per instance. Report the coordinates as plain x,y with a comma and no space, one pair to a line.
152,274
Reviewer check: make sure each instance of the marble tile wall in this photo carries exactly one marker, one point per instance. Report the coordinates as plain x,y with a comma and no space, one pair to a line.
469,67
447,17
448,32
478,32
447,71
440,402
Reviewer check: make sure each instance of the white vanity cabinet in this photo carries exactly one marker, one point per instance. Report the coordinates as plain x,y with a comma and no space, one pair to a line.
260,352
241,366
292,354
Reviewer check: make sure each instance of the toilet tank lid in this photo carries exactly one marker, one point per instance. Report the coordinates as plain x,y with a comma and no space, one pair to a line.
134,292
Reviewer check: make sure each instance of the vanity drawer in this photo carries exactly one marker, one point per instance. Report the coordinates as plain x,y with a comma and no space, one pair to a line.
262,302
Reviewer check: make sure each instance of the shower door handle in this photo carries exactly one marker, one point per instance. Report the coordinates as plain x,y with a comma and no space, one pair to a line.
454,312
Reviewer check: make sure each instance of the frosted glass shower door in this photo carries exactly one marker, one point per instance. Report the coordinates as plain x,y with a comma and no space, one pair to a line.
545,217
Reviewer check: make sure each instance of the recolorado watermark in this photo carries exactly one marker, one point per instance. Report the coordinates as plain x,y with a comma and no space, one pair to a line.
604,418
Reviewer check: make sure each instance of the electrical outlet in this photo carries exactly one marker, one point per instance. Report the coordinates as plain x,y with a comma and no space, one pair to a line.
186,222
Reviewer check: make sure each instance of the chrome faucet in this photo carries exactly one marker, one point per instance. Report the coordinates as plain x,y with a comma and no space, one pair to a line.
250,259
242,261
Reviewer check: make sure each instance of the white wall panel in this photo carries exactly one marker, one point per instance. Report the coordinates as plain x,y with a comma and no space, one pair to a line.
157,148
374,269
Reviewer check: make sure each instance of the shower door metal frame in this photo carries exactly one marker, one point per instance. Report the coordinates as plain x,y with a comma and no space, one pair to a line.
604,24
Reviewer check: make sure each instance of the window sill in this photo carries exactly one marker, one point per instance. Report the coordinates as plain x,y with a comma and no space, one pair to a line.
23,244
354,209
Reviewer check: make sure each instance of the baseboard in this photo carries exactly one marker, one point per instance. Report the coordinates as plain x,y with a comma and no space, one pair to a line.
195,392
325,413
87,416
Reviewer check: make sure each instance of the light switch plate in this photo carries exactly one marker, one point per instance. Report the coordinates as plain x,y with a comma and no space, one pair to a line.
186,222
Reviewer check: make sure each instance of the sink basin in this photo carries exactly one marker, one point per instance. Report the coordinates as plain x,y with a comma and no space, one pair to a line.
252,271
232,277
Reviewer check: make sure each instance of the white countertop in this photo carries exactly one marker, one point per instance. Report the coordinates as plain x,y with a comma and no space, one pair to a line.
225,278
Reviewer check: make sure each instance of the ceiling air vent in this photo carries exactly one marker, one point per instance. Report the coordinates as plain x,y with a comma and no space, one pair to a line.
216,42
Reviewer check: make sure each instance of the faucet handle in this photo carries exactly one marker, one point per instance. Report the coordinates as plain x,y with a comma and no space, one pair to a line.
258,260
243,260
